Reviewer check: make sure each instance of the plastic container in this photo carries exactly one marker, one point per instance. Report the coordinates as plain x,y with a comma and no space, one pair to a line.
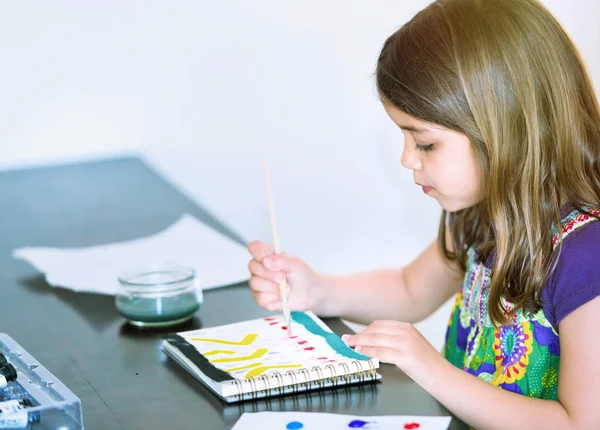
158,296
51,405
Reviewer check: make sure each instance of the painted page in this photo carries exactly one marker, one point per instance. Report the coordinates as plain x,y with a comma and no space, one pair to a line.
259,347
316,421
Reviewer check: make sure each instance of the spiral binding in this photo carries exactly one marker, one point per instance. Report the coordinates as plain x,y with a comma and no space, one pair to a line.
275,382
345,397
280,381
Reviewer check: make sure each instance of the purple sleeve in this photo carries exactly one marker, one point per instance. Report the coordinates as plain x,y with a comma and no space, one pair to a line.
576,279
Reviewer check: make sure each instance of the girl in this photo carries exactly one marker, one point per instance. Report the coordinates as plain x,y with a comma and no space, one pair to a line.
502,128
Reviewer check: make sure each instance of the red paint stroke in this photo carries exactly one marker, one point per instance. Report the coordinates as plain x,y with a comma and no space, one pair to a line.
411,426
283,327
322,358
302,342
269,318
332,361
293,337
310,348
273,323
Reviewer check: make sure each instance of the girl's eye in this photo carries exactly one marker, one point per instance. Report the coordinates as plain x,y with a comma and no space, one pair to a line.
424,148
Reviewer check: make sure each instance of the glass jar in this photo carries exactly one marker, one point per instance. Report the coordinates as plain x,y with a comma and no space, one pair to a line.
158,296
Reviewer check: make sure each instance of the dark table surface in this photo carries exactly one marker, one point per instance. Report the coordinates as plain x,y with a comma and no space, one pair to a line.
123,379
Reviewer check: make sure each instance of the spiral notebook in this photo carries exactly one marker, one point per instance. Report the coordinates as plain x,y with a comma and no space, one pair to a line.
256,358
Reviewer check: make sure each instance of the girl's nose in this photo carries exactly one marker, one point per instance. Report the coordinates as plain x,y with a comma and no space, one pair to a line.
410,158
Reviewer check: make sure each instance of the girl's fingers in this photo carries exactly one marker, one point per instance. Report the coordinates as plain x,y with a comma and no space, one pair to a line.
259,249
268,301
382,330
262,285
381,346
372,340
385,355
257,269
283,262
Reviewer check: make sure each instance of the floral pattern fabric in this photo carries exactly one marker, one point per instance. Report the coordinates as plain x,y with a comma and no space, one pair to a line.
523,357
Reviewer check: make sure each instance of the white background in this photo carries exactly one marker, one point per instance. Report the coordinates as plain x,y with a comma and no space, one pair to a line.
206,90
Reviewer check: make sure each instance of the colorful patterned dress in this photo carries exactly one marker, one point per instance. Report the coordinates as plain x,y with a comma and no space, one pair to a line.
524,357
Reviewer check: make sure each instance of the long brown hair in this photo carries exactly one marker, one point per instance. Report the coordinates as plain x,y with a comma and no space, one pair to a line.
506,74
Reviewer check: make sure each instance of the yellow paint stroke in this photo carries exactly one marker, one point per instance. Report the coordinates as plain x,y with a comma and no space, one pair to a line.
218,351
247,340
257,354
258,370
248,366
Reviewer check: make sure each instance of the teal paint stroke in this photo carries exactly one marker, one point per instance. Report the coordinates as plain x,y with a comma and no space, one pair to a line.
332,339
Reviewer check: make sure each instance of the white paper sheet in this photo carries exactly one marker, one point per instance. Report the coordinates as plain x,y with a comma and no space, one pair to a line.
313,421
218,260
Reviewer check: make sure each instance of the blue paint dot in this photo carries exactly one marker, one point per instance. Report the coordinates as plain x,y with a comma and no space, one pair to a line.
294,425
357,424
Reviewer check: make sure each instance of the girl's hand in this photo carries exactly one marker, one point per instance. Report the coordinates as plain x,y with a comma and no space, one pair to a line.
267,269
400,344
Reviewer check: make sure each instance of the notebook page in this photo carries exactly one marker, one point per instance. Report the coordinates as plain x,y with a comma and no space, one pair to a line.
260,349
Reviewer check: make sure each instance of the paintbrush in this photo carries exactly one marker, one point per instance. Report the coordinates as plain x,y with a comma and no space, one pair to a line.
283,287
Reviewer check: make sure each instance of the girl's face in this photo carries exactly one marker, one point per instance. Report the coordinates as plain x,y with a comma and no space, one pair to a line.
441,160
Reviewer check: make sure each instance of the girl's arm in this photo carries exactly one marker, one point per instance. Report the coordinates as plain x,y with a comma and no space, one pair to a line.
408,294
484,406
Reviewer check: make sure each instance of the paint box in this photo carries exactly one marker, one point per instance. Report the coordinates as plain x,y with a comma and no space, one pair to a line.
49,403
158,295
